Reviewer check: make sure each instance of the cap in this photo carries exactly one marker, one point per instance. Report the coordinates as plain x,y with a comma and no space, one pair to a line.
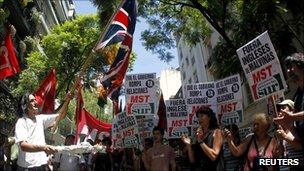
296,58
288,102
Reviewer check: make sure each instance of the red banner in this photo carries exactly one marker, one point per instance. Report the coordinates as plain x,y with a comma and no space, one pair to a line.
45,95
8,61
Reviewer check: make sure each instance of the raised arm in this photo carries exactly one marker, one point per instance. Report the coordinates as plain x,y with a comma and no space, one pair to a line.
237,150
213,152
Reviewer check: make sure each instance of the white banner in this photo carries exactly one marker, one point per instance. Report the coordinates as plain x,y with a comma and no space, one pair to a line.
177,118
141,96
125,131
261,67
198,95
229,99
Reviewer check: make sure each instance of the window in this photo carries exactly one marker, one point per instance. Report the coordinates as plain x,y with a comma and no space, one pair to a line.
187,61
180,53
192,60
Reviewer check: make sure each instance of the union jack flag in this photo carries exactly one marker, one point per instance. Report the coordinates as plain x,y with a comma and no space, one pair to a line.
123,23
121,29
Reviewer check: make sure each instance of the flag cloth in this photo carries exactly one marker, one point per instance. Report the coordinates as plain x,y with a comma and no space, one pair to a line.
113,79
162,122
88,123
122,23
85,122
121,30
45,95
9,65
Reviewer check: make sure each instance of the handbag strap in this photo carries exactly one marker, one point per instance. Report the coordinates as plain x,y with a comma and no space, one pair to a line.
257,149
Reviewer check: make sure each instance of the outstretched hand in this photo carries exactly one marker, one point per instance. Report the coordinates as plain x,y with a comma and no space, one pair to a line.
284,118
227,134
50,149
281,134
186,139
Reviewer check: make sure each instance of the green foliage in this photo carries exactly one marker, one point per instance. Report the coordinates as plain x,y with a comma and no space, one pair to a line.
237,21
66,49
4,14
90,104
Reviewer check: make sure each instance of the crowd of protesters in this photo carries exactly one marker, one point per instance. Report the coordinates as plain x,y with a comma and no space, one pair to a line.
211,149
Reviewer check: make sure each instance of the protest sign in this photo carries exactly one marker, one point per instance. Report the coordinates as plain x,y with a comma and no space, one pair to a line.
229,100
141,96
198,95
177,118
146,123
261,67
272,101
126,130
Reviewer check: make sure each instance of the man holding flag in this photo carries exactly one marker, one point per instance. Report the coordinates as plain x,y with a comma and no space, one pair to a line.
29,134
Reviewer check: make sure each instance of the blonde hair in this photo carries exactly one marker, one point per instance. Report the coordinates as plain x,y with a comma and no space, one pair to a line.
262,117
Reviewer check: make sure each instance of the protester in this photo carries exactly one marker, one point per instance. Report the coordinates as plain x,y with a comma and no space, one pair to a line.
207,149
3,138
128,160
65,162
259,145
160,156
148,143
284,131
231,162
29,134
295,65
116,158
292,149
101,160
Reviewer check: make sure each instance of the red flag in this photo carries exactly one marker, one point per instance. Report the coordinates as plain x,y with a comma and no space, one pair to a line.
8,61
162,122
45,95
85,122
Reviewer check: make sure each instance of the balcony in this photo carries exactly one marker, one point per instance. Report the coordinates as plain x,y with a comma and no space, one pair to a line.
21,18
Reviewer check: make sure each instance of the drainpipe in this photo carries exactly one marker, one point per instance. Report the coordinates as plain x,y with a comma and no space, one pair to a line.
48,2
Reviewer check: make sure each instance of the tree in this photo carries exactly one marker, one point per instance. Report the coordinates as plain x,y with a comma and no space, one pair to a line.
237,21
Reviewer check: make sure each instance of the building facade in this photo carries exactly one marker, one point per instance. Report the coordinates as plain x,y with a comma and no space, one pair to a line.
193,59
34,18
170,82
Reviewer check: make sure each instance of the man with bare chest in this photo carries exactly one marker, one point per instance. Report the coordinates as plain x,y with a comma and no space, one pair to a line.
160,157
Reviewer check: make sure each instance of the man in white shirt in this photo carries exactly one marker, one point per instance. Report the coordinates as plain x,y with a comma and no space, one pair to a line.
69,162
29,134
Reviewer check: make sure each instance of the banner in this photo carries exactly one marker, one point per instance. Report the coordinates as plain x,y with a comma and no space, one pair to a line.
45,95
261,67
177,118
9,65
276,99
198,95
146,123
126,131
140,92
229,100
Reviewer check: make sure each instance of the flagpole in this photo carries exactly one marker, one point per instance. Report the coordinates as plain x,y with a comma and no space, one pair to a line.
85,66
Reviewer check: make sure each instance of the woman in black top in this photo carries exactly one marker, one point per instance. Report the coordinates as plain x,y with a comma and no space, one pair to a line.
208,147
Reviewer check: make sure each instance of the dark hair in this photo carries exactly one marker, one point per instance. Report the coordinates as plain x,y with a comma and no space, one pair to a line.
70,135
106,140
161,130
209,112
148,140
234,129
23,105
